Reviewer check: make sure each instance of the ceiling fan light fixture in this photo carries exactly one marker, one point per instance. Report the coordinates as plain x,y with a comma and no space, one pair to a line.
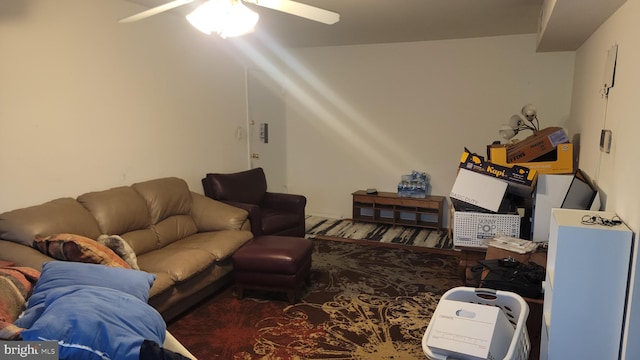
227,18
241,20
299,9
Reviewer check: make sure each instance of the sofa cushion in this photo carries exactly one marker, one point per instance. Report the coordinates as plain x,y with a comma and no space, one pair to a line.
165,197
71,247
142,241
117,210
181,264
220,244
173,228
162,283
23,255
56,216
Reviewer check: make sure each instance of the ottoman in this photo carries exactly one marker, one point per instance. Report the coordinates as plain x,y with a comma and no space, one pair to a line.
273,263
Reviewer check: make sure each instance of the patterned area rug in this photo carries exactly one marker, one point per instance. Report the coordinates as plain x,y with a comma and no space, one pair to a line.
364,302
347,229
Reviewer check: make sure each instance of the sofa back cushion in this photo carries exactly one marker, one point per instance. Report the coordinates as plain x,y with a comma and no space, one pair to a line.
141,241
118,210
122,211
57,216
169,203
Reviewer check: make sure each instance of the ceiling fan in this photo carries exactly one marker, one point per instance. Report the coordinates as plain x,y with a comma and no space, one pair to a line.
286,6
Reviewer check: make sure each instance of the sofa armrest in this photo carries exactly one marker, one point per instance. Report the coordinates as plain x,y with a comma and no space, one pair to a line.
288,202
22,255
213,215
255,215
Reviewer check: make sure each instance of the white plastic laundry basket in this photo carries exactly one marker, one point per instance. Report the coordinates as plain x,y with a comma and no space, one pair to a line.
513,306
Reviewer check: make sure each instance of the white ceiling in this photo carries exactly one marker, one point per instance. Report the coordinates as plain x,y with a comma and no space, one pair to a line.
387,21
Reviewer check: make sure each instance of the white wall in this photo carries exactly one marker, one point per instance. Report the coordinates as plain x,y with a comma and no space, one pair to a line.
616,173
87,103
362,116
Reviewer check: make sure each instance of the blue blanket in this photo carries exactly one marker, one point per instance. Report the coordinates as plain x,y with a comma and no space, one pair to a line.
90,321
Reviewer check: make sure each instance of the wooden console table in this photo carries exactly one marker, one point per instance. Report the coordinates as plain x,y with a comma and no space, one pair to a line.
389,208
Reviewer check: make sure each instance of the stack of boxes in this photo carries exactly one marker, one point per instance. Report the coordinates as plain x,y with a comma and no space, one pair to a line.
495,196
485,199
555,172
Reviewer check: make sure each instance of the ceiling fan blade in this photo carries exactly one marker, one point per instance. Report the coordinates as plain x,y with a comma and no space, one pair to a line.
299,9
155,10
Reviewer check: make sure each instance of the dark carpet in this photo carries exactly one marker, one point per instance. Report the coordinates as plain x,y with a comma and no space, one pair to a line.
364,302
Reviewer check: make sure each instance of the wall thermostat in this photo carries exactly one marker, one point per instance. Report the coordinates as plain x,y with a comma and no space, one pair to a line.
605,141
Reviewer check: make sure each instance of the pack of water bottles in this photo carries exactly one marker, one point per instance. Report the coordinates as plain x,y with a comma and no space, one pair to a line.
414,185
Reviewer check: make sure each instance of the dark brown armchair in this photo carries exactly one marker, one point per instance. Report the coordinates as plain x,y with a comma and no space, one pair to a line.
270,213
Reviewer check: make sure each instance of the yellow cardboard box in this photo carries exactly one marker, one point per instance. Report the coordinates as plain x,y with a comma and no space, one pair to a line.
536,145
562,165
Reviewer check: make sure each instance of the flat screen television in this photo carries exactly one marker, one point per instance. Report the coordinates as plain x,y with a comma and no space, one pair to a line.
581,193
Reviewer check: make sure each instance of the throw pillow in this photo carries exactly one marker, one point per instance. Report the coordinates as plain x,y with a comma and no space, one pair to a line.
16,284
71,247
56,274
93,322
93,311
121,247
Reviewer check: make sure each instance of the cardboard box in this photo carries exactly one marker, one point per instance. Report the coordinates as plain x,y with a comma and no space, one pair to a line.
478,190
520,180
470,331
536,145
563,164
538,257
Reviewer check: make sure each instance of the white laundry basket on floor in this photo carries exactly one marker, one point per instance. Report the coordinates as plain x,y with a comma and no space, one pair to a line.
513,306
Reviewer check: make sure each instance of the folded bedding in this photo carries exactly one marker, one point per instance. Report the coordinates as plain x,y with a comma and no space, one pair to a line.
93,311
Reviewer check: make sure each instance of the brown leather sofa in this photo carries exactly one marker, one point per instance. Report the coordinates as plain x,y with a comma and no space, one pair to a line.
184,238
270,213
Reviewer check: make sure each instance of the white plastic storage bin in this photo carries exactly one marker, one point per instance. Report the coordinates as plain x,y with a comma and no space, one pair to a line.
471,229
513,306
